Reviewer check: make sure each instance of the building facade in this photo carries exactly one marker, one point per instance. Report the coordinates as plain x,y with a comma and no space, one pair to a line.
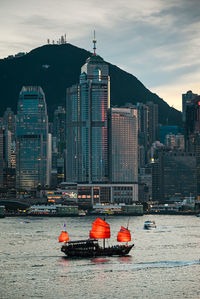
7,173
87,125
173,141
91,194
123,145
143,133
153,134
187,100
174,175
32,169
59,143
9,122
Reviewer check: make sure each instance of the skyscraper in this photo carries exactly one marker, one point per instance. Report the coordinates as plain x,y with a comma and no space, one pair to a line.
143,133
9,121
187,99
32,139
87,126
5,159
123,145
192,134
173,175
59,128
59,140
152,123
2,157
192,123
88,140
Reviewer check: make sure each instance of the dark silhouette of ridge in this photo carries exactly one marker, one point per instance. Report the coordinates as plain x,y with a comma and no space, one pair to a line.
56,67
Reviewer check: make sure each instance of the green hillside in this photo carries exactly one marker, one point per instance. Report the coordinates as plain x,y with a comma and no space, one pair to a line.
56,67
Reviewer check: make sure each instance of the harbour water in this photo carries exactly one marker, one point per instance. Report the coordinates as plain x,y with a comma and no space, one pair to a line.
165,262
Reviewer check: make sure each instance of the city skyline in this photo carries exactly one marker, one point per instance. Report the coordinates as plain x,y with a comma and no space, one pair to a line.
155,41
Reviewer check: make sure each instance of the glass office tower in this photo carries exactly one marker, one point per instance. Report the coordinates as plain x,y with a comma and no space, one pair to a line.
31,139
123,138
87,126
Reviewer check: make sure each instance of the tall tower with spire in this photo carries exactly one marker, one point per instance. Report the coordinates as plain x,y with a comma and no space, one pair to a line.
87,126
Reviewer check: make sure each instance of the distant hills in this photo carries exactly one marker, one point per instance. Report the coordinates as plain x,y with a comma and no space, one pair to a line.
56,67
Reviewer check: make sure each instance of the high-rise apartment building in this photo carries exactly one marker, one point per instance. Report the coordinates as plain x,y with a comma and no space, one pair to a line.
32,163
2,156
143,133
192,132
59,127
192,123
187,100
9,122
59,143
123,145
7,174
153,134
143,116
87,125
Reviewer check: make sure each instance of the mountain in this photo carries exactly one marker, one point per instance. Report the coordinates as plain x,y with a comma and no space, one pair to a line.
56,67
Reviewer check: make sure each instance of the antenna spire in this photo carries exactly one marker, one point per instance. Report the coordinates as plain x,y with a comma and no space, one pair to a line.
94,43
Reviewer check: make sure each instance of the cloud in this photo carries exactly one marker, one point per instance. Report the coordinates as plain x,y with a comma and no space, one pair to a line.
155,40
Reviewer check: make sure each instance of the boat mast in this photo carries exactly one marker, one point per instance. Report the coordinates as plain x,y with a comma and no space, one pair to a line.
104,240
127,228
128,222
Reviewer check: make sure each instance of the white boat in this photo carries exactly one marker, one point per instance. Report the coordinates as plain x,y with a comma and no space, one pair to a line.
149,224
81,213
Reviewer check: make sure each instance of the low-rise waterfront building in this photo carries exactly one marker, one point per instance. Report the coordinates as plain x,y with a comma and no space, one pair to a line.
53,210
107,193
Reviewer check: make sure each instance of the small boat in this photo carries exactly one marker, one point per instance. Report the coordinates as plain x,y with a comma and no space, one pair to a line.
91,248
81,213
149,224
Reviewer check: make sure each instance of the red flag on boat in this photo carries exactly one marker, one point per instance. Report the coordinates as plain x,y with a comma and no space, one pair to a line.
64,237
124,235
100,229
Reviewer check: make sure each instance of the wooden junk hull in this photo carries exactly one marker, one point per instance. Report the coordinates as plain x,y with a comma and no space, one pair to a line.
91,248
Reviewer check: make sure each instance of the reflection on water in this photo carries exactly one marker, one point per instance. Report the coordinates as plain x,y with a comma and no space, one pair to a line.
65,261
98,260
161,265
125,259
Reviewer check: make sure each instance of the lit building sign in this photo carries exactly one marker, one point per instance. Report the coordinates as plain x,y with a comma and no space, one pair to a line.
70,194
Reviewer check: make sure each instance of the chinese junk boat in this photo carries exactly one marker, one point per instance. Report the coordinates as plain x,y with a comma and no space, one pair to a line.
91,248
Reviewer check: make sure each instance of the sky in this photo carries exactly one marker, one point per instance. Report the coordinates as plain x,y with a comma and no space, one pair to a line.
157,41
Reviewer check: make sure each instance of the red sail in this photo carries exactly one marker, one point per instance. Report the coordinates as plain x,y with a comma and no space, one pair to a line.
124,235
64,237
100,229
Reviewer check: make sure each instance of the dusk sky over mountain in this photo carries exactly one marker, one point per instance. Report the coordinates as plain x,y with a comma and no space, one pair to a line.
157,41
